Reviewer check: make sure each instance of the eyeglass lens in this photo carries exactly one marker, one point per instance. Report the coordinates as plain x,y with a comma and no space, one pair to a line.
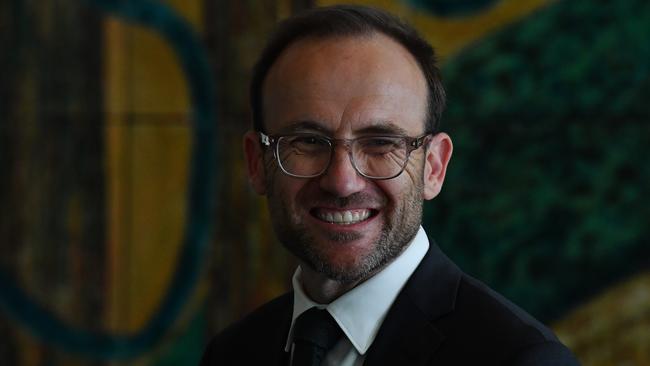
375,157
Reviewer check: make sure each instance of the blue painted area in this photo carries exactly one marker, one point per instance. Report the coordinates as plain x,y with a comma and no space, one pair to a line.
452,8
44,324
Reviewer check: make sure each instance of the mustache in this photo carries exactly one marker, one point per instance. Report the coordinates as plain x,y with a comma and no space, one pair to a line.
353,200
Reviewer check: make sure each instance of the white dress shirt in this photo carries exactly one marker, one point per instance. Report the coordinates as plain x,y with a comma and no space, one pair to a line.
361,311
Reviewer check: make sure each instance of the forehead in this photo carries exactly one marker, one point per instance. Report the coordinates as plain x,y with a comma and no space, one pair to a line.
345,84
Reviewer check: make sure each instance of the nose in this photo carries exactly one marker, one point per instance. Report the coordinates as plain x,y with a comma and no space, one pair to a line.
340,178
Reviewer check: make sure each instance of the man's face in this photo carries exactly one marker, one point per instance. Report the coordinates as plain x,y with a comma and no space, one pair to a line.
346,88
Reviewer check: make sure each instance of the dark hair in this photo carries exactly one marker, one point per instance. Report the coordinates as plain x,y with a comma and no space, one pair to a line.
349,20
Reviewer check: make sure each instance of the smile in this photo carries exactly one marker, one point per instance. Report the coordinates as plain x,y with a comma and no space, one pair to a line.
342,217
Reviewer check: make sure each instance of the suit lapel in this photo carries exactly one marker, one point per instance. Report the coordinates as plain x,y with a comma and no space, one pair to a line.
270,350
276,353
406,337
408,334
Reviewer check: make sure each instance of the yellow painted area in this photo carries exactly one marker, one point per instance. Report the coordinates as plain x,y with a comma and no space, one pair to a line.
148,142
142,73
30,354
451,35
614,327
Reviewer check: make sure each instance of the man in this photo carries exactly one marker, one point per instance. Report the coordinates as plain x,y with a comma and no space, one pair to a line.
346,104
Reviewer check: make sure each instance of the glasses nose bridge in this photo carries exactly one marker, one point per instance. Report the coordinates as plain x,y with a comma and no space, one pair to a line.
347,145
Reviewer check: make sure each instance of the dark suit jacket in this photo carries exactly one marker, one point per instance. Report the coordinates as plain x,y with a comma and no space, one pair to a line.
441,317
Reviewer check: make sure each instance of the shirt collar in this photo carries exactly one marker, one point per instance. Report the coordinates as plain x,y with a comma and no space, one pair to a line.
361,311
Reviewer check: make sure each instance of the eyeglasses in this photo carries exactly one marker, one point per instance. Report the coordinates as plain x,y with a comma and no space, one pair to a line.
306,155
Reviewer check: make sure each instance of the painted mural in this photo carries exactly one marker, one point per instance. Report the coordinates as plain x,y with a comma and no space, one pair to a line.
129,236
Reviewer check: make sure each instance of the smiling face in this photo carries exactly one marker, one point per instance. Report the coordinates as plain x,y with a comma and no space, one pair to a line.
340,224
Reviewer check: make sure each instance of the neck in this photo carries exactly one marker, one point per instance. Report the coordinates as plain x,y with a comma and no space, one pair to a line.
322,289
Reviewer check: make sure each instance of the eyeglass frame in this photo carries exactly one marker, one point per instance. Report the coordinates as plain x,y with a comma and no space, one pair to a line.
412,144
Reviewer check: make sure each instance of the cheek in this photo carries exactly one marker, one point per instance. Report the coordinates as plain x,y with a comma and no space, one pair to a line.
288,193
414,173
394,189
302,192
410,179
403,191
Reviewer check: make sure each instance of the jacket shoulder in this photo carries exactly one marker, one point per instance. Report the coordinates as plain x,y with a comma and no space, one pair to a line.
496,329
264,330
492,309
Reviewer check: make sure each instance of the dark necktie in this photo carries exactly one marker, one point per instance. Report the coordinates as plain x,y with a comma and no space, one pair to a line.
314,334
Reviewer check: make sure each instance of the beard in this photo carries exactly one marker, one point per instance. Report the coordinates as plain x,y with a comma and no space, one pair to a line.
401,222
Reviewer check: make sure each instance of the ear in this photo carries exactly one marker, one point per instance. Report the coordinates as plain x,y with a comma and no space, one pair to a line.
435,167
254,155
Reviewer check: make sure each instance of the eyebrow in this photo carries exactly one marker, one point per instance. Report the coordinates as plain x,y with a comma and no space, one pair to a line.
305,126
382,128
376,128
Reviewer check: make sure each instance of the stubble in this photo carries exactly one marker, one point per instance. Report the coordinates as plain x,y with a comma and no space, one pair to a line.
401,223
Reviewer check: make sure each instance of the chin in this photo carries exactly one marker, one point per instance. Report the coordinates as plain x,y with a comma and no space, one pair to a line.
345,264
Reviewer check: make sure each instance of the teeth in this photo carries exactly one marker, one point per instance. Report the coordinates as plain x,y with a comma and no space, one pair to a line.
344,217
347,216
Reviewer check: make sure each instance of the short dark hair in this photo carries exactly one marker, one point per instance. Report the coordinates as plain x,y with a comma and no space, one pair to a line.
349,20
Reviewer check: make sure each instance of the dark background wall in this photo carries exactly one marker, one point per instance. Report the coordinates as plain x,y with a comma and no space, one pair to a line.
545,199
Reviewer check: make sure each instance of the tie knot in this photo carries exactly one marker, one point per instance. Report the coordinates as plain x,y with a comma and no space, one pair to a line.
317,327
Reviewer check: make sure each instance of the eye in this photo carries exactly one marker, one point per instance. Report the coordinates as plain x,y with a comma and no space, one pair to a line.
379,145
308,143
309,140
